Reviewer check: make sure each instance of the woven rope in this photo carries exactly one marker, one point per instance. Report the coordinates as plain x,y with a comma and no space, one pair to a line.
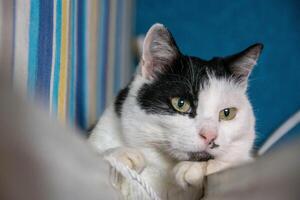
133,177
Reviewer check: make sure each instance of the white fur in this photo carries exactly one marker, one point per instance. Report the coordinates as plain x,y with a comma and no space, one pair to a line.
166,140
162,138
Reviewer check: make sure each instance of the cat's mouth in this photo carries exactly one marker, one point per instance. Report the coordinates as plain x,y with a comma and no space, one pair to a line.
200,156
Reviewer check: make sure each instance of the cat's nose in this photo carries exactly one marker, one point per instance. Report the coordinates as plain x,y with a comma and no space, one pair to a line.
208,136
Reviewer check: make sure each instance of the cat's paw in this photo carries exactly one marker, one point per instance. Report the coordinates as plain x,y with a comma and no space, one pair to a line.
189,174
128,156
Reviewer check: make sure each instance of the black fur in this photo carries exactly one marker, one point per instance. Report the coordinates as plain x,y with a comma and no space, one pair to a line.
177,75
200,156
183,78
120,100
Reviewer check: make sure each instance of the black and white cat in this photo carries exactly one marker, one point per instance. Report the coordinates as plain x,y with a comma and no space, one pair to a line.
181,117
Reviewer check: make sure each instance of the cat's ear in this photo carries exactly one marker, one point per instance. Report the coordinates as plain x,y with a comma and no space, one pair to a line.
159,50
241,64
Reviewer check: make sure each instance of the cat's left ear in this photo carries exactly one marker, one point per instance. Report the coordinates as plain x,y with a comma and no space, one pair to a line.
241,64
159,51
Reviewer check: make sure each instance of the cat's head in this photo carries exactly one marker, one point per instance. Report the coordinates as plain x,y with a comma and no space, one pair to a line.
188,107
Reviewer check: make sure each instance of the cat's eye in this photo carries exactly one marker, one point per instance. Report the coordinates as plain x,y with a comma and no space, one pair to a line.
180,104
227,114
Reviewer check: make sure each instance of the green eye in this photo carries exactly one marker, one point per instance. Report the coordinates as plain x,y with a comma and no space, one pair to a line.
227,114
180,104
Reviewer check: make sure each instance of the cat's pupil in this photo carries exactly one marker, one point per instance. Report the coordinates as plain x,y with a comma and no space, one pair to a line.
226,112
180,102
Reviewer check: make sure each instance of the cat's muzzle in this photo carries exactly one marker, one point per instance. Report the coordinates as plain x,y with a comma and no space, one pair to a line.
213,145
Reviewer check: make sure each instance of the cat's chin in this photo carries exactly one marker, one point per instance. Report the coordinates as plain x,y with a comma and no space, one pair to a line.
201,156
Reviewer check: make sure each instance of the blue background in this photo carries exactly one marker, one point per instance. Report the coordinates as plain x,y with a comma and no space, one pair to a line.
218,28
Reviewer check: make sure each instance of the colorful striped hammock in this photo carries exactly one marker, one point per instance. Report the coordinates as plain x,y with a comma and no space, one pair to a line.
72,55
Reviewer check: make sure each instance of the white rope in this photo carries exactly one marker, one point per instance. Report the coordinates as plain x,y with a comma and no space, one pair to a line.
133,176
281,131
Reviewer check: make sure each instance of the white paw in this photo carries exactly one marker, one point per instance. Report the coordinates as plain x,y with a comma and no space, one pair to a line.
128,156
188,173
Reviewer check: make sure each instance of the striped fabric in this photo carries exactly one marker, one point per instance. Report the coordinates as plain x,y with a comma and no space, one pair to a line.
72,55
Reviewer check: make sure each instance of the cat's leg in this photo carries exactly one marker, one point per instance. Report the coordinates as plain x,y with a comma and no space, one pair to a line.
214,166
190,174
107,133
107,140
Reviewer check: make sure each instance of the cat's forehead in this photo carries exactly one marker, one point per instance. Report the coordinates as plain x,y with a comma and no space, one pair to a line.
194,73
220,92
214,66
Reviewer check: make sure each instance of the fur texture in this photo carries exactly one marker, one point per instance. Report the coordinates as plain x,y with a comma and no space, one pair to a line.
144,119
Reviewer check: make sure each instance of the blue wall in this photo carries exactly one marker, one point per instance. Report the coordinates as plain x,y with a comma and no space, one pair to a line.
218,28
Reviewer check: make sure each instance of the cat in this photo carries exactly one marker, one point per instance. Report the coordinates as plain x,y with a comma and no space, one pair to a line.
181,117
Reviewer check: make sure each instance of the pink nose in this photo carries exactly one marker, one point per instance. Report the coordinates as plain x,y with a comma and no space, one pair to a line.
208,136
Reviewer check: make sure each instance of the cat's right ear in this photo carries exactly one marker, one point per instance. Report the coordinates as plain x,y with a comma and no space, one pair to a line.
159,51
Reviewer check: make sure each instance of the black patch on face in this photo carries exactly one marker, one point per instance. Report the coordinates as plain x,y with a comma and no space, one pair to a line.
184,77
120,100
